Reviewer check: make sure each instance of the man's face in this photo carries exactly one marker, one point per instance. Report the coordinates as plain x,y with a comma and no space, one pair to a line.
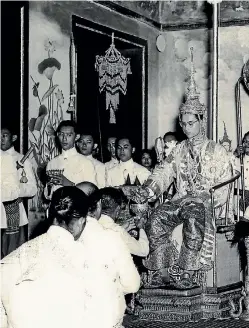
124,150
86,144
66,137
111,142
146,160
246,145
190,125
6,139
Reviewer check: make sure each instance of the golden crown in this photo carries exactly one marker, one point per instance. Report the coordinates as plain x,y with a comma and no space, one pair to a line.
192,104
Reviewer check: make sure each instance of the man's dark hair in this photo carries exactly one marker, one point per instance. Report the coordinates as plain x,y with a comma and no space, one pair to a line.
88,133
111,199
67,123
9,127
170,133
68,204
93,200
125,137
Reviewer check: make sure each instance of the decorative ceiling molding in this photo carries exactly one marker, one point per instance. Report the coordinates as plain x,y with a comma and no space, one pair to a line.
175,15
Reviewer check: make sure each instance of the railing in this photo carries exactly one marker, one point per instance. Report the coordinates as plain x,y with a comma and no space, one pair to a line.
220,185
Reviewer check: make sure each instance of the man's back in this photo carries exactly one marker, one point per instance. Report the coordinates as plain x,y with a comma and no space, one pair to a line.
53,281
114,273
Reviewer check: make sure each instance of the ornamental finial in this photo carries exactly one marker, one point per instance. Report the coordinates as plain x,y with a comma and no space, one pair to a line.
192,104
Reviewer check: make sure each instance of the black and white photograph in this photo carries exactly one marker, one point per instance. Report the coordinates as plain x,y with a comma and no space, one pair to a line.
124,164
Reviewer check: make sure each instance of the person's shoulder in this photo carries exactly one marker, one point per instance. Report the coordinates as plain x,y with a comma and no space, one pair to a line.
83,159
114,238
54,159
98,163
114,170
141,168
27,250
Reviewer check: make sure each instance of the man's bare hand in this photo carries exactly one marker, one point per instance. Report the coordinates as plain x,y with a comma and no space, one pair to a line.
60,180
129,225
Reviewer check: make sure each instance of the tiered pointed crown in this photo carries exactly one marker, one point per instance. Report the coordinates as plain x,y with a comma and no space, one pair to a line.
225,136
192,103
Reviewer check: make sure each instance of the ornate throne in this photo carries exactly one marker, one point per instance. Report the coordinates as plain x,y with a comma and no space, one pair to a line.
216,286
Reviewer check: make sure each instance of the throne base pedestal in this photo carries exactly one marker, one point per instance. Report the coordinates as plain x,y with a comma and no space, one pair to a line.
187,305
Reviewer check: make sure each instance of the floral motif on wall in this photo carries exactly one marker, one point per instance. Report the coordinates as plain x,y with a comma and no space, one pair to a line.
49,114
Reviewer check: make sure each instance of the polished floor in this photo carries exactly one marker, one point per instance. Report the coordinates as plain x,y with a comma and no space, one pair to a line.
134,322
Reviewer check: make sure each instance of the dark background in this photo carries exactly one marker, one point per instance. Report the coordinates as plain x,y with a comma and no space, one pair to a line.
91,105
11,67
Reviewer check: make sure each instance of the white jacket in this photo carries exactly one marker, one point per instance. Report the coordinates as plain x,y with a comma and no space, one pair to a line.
11,187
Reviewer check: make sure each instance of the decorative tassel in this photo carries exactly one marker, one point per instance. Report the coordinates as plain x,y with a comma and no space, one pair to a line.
24,178
112,116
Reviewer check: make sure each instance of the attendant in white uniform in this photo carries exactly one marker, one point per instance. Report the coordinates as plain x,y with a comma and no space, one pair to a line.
111,147
111,204
16,184
74,167
127,168
108,251
86,145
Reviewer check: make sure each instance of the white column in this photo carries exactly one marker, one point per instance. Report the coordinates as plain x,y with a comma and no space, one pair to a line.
213,126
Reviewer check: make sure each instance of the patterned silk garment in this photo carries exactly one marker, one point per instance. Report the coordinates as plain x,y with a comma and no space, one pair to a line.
195,174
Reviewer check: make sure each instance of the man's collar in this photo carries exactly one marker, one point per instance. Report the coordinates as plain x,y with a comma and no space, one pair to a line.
69,152
127,163
106,218
60,233
10,151
114,160
90,157
91,219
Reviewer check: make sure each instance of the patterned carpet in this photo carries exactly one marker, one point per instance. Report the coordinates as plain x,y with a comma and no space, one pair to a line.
134,322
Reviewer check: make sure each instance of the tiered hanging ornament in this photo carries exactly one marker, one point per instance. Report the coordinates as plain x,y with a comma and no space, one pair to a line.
113,69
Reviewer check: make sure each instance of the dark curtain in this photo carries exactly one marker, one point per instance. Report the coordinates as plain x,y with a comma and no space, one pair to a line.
91,105
11,66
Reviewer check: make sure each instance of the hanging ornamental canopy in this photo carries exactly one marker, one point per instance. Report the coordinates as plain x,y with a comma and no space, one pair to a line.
113,69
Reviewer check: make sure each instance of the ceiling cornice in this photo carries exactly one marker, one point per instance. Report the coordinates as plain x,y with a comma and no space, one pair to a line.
115,6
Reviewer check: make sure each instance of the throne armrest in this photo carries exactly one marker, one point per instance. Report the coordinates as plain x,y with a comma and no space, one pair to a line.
224,183
224,227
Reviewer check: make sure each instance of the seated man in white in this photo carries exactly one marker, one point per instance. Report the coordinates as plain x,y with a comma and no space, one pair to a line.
86,145
127,169
111,147
108,250
112,200
72,167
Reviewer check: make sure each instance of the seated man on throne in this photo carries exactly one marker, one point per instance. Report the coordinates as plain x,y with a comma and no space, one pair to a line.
197,164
